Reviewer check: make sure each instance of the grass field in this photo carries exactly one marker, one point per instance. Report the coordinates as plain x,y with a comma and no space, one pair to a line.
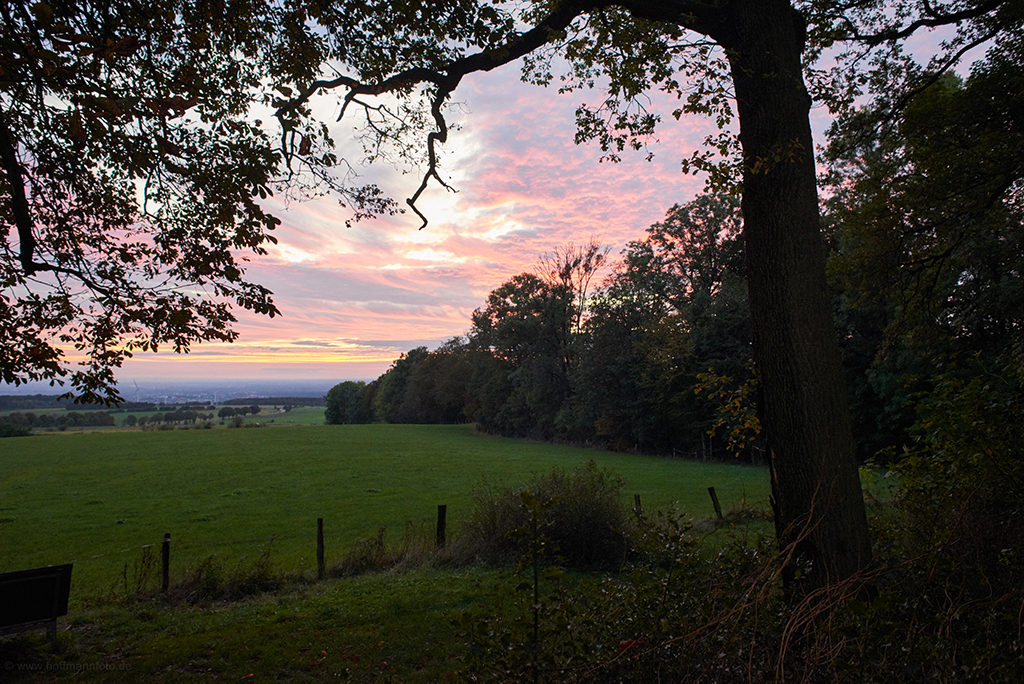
98,498
269,414
374,628
300,415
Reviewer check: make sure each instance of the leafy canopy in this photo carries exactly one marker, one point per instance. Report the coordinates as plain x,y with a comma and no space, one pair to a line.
134,164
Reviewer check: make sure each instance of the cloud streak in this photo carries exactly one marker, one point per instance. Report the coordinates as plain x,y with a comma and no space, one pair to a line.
354,298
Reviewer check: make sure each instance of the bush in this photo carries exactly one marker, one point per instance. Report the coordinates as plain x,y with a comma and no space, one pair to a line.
950,550
681,613
9,429
963,482
585,519
941,603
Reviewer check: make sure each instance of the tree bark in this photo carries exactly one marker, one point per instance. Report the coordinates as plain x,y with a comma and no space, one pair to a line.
817,498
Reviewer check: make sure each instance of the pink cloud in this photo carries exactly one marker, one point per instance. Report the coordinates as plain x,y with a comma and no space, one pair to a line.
354,298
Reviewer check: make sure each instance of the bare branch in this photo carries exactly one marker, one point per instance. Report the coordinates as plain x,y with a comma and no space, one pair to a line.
947,64
932,19
545,31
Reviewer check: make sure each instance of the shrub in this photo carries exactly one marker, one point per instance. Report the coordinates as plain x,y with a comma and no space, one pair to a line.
680,614
10,429
950,551
586,521
941,603
963,482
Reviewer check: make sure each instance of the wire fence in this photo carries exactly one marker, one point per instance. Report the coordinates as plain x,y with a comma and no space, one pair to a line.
440,539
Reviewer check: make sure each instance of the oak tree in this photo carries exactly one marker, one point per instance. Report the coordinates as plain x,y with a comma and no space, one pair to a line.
132,168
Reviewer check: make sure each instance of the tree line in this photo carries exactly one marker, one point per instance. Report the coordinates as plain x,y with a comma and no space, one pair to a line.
924,278
277,401
21,423
552,356
13,402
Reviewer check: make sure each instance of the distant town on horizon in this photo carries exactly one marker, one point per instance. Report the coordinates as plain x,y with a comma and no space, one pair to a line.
212,390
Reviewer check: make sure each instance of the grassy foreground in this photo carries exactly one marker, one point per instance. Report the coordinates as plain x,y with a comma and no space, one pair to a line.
374,628
941,602
99,499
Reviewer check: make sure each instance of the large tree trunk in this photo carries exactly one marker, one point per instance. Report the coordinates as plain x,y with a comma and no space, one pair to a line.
819,507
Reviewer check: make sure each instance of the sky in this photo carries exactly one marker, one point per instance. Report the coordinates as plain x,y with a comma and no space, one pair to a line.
354,298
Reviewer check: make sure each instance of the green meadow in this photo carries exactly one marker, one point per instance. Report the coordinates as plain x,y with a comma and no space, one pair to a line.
98,499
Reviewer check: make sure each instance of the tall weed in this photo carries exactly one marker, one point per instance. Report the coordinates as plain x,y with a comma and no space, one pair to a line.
374,554
211,580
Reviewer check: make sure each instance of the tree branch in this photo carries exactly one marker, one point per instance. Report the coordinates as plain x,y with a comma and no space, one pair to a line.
932,20
447,80
19,203
948,63
85,278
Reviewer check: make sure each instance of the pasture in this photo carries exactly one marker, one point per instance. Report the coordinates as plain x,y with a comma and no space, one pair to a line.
99,498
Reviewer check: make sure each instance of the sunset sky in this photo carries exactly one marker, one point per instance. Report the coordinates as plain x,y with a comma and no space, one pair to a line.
353,299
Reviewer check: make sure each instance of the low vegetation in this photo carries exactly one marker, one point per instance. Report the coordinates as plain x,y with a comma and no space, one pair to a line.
554,577
584,519
547,577
227,493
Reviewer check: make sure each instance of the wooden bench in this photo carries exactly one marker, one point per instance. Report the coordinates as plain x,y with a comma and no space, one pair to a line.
34,599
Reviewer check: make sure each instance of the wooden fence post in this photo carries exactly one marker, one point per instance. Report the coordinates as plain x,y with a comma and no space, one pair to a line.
165,558
714,500
442,514
636,505
319,548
